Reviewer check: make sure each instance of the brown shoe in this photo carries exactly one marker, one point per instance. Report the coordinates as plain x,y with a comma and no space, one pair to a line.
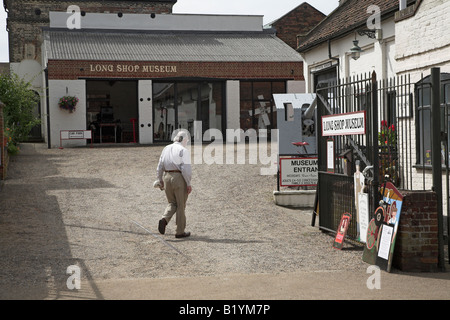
162,226
183,235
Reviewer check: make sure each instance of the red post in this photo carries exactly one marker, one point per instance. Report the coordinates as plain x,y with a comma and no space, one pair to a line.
133,120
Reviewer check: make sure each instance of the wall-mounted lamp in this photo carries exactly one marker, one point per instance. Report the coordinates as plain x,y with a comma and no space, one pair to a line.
372,33
356,50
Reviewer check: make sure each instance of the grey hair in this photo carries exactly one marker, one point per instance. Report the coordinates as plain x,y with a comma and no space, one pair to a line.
181,135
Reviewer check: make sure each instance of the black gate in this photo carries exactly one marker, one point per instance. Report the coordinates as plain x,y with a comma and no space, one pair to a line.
336,175
403,140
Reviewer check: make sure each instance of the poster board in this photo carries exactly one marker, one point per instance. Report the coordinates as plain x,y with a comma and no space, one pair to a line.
382,229
74,135
342,231
296,171
330,156
363,216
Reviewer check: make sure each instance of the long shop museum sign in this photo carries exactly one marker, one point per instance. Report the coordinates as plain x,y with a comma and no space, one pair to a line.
132,68
344,124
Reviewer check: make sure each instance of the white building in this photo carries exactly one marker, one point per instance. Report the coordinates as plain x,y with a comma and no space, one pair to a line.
398,39
422,40
138,78
326,49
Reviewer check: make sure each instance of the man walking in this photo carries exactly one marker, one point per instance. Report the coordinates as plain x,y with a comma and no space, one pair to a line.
174,173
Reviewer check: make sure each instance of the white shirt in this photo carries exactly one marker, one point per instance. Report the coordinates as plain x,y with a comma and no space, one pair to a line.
175,157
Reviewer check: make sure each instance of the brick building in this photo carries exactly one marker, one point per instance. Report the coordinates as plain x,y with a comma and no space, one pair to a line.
27,17
139,78
297,22
147,70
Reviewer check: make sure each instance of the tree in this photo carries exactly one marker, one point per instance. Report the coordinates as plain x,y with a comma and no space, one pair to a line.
20,102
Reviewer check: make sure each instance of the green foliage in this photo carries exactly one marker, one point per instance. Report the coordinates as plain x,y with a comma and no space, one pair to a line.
68,103
20,102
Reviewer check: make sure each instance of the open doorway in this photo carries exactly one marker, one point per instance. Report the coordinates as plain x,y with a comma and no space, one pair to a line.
112,110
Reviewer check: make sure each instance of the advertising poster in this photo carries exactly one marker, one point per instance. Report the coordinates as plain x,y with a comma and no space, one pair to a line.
296,172
342,231
363,216
382,229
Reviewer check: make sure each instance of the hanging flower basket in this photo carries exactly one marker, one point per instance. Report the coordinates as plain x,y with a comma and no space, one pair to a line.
68,103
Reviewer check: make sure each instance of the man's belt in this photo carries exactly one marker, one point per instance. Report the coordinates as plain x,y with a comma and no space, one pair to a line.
173,171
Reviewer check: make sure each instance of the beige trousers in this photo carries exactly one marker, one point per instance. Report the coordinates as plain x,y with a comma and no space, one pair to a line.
176,194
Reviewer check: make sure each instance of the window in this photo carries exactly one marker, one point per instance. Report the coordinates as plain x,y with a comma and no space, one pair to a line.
163,110
257,110
325,78
288,112
423,120
179,105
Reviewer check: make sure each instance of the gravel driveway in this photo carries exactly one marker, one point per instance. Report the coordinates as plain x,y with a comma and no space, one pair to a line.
96,208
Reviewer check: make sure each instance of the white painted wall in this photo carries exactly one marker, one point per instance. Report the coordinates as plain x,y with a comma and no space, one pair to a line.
63,119
377,55
423,41
295,86
145,105
29,70
233,101
129,21
32,72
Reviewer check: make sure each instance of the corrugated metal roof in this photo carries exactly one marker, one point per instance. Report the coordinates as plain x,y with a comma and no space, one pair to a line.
144,46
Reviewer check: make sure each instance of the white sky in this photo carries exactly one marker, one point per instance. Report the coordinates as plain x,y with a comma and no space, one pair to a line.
271,10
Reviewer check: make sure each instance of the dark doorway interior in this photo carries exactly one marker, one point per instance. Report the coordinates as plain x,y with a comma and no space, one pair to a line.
112,110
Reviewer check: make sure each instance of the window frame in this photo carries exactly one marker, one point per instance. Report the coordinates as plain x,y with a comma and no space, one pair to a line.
255,101
423,104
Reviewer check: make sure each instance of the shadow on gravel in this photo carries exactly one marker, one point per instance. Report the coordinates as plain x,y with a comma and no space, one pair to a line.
34,249
212,240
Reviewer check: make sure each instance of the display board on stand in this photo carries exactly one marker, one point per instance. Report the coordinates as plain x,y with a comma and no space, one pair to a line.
382,229
74,135
342,231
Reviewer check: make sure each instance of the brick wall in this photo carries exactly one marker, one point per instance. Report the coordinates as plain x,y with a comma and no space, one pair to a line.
3,152
72,70
297,22
416,248
27,17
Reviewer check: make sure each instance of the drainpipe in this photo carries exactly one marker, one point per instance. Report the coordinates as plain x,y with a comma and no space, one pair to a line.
402,4
336,59
47,102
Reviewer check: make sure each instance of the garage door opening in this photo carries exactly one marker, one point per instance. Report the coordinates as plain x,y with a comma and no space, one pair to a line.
112,111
